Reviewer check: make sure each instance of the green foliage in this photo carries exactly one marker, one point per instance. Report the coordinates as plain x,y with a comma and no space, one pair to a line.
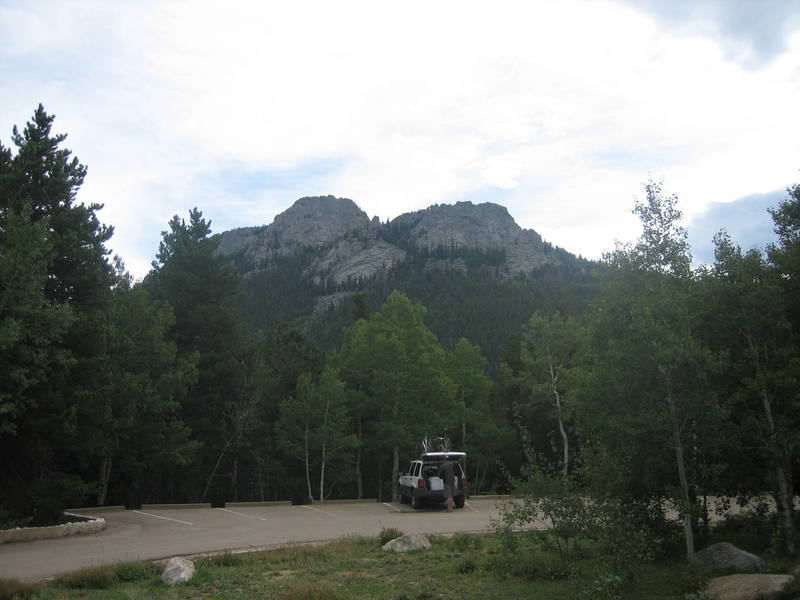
313,426
564,515
56,283
396,370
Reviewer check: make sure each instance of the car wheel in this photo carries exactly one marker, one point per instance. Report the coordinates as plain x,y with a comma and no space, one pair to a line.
403,497
459,500
416,502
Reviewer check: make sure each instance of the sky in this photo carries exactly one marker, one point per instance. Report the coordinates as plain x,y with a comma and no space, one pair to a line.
560,111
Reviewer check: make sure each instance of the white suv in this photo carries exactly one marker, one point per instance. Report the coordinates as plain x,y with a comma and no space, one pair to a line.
423,482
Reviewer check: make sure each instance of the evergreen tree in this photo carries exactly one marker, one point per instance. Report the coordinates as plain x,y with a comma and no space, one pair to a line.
201,289
54,321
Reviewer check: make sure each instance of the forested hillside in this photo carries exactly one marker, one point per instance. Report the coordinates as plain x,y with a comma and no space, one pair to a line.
214,379
478,274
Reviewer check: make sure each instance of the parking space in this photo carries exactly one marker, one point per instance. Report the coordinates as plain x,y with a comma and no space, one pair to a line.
160,532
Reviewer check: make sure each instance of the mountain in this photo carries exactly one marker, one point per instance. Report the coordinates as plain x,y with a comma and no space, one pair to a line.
479,273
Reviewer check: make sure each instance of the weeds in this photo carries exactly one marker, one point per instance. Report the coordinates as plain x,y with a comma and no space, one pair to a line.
11,589
465,542
388,534
92,578
225,559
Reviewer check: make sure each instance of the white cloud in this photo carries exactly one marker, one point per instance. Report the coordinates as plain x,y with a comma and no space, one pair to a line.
560,108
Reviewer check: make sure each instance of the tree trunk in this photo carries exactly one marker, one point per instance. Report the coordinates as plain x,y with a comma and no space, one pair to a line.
105,474
324,449
261,479
785,506
359,479
395,472
784,494
681,463
554,373
308,468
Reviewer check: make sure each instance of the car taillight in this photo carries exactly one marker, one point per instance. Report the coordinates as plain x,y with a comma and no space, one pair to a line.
421,483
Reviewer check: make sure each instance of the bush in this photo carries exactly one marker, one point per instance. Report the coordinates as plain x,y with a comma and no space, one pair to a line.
751,531
11,589
569,515
93,578
389,534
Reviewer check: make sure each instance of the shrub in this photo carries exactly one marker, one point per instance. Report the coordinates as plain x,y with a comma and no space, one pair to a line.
751,531
389,534
11,589
568,514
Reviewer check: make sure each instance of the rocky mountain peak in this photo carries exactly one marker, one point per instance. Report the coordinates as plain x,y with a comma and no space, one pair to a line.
484,226
318,220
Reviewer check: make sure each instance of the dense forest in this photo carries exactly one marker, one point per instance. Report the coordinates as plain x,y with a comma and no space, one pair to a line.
644,377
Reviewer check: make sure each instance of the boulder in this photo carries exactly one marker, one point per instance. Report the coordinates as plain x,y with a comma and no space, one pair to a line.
725,556
748,587
407,542
178,570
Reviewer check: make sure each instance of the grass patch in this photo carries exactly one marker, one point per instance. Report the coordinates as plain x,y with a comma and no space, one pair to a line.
464,566
388,534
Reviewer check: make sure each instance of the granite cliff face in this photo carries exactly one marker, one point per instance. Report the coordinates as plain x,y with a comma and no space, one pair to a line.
349,246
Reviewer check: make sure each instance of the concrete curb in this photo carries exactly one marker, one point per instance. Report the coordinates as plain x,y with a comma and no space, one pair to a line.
171,506
345,501
256,504
87,511
30,534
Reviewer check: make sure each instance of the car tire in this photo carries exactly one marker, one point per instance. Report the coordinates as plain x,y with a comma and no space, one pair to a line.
403,498
459,501
416,502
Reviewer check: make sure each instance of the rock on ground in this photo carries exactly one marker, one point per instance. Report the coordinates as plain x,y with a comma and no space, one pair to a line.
748,587
178,570
728,556
407,542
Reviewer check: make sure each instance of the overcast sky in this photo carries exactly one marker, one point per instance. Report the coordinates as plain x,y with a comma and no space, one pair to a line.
559,111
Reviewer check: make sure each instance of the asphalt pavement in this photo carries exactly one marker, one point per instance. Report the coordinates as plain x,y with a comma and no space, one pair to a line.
163,532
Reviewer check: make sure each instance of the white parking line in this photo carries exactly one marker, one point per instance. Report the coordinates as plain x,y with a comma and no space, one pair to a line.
139,512
233,512
471,507
318,510
392,506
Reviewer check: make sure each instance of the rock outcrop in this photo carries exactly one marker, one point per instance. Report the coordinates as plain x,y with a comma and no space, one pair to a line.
748,587
727,557
407,543
178,570
352,246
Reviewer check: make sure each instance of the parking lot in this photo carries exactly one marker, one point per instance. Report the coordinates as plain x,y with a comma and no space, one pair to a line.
161,532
